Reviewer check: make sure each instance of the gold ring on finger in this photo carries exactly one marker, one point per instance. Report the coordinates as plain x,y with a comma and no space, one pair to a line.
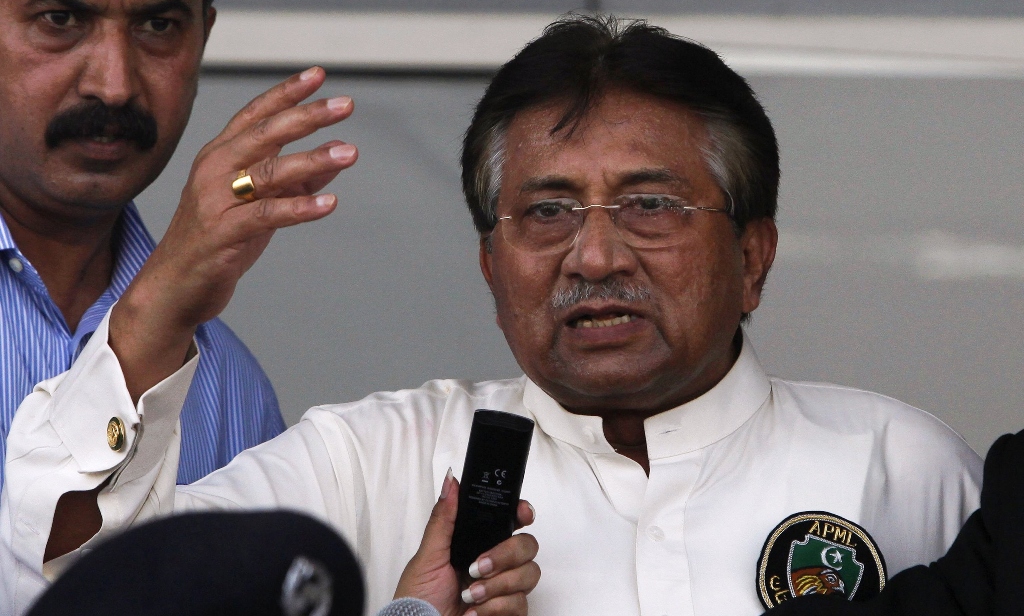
243,187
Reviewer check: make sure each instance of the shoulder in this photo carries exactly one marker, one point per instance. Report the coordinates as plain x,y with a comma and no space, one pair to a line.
421,408
396,429
219,344
223,356
896,427
230,374
850,409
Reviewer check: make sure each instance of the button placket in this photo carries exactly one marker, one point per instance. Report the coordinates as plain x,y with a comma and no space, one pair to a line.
655,533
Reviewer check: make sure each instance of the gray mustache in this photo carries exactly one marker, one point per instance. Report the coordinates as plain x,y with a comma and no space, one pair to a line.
582,291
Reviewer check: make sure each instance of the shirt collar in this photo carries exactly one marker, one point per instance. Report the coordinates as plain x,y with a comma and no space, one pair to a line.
6,241
689,427
134,245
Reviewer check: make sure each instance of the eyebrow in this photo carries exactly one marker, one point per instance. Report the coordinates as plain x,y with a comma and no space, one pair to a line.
153,8
72,5
163,6
657,175
654,175
547,182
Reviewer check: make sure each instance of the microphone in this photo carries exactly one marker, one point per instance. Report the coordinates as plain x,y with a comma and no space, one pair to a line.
407,606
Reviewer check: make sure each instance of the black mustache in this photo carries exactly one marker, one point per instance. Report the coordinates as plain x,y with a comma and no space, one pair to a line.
96,119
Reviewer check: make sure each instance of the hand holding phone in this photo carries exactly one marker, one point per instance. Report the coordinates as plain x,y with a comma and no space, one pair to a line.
492,479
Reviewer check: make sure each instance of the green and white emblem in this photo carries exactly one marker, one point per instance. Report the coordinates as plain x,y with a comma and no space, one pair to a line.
819,553
820,567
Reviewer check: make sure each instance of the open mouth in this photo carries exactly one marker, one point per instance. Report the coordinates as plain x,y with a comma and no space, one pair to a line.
110,134
589,321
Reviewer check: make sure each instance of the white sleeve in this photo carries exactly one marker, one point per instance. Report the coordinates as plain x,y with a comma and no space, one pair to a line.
58,443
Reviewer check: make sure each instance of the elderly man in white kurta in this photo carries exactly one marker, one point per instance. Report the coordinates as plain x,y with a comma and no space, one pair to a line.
624,185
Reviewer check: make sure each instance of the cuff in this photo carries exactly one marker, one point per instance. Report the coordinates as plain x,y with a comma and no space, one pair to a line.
93,413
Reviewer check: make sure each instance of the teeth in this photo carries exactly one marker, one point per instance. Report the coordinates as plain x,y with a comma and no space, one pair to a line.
585,322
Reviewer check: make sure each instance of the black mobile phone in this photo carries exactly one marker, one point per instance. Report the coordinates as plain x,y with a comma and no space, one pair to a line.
492,479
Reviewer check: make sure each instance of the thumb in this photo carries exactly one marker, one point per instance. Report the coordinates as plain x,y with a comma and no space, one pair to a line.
437,536
429,575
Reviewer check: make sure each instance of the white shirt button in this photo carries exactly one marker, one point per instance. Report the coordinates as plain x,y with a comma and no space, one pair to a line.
590,435
16,265
655,533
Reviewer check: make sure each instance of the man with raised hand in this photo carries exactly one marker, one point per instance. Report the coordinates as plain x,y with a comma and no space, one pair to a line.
95,95
624,184
239,191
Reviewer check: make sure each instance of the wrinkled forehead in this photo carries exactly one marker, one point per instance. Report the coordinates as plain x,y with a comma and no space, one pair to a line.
110,7
622,133
565,118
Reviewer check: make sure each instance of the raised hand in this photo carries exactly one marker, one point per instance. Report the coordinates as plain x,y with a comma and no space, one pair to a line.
216,236
501,576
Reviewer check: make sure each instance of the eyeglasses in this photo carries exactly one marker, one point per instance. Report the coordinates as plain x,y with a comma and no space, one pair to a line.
642,221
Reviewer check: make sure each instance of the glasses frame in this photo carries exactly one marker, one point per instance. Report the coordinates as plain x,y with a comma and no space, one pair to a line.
728,211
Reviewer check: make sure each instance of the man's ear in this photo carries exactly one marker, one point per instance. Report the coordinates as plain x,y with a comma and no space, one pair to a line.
211,16
486,248
758,243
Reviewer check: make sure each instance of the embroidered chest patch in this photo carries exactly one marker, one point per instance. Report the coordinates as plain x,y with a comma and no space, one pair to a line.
816,552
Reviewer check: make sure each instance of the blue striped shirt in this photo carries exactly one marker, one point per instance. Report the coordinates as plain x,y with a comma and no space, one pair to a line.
230,407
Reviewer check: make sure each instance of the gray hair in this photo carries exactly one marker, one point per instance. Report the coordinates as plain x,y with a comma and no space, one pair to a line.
726,155
580,58
490,171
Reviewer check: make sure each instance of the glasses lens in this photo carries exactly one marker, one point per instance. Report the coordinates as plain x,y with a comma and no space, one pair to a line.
543,225
652,220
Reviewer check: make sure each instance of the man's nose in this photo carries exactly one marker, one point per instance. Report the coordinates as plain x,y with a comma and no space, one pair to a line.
109,71
599,250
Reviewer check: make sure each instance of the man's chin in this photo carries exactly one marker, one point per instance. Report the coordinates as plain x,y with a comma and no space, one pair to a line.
97,193
596,391
98,183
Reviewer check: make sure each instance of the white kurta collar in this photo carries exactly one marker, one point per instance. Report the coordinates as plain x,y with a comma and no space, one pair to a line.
686,428
582,431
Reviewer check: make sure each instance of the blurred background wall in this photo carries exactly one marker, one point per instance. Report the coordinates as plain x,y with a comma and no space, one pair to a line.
901,257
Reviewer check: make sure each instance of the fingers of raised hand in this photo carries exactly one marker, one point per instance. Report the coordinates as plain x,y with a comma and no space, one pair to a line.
302,173
284,95
317,183
268,136
251,219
